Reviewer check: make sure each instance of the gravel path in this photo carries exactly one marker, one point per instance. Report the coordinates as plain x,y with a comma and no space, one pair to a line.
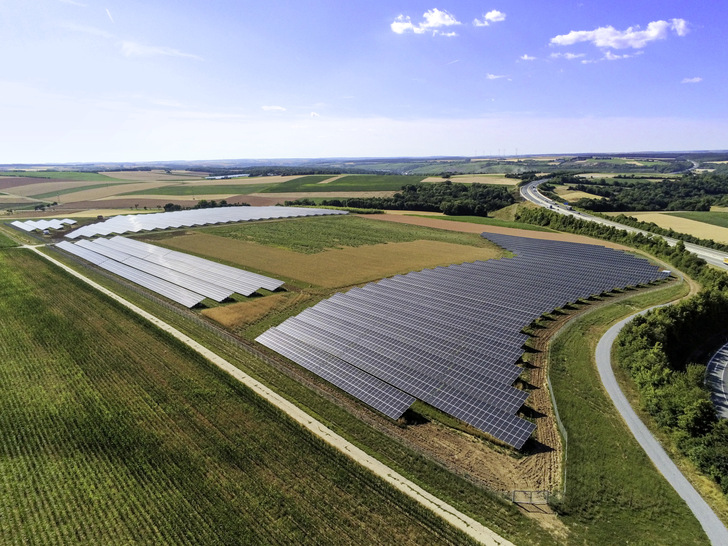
713,527
456,518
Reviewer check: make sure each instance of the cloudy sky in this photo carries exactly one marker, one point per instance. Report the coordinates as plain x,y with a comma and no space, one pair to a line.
112,80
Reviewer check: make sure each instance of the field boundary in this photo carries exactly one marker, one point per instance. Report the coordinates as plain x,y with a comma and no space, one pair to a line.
459,520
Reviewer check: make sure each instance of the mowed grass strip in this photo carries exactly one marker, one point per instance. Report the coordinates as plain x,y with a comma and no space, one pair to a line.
614,495
113,433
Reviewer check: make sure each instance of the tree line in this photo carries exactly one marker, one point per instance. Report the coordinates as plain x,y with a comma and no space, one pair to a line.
664,351
451,198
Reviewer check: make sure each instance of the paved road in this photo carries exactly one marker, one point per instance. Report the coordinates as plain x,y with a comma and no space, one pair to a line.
713,527
457,519
716,379
530,192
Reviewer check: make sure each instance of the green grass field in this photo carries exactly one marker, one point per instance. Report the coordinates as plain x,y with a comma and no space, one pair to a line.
713,218
6,242
614,493
316,234
486,222
113,433
348,183
63,175
241,189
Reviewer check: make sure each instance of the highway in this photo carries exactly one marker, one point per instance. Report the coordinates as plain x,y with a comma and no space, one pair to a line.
530,193
716,379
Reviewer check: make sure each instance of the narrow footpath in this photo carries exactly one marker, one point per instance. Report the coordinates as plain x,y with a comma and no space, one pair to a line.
457,519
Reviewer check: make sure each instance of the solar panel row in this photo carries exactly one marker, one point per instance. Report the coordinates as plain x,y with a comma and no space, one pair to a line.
188,218
194,278
451,336
32,225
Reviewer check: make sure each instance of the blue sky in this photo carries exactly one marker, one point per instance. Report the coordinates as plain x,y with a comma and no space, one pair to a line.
84,80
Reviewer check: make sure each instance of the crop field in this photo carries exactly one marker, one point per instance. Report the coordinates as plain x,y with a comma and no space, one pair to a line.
65,190
332,252
486,222
687,223
112,433
59,175
199,189
714,218
155,175
614,493
5,241
348,183
495,179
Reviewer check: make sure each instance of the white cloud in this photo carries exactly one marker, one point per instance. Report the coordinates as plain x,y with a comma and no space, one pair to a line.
495,76
134,49
109,14
568,56
633,37
435,19
273,108
697,79
73,3
315,115
493,16
526,57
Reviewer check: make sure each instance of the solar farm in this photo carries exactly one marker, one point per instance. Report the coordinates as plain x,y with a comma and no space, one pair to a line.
451,336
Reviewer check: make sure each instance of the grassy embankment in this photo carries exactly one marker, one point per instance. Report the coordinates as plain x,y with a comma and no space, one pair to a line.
113,432
614,494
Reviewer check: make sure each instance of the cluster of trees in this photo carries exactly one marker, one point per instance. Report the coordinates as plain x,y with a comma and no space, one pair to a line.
659,349
453,199
691,192
203,204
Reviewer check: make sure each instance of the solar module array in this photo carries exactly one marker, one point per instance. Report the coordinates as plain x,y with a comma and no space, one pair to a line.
180,277
32,225
451,336
189,218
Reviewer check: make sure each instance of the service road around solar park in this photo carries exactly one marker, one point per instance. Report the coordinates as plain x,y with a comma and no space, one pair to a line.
457,519
712,525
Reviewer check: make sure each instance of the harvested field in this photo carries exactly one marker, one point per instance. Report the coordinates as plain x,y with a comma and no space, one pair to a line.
110,191
336,268
497,179
46,186
570,195
683,225
280,197
246,312
19,181
154,176
479,228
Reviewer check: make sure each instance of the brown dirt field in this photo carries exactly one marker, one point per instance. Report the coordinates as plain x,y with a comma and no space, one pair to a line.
479,228
54,185
238,314
324,194
110,191
336,268
19,181
683,225
153,176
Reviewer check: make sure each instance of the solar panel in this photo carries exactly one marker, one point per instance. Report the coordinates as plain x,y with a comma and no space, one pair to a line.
451,336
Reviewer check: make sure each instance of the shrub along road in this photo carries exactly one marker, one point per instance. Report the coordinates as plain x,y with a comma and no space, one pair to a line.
713,527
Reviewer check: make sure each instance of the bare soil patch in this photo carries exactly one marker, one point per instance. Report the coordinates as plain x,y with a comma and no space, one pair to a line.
334,268
480,228
240,314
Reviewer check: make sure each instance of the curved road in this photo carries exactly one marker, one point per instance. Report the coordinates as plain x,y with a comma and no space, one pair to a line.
713,527
716,379
530,193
